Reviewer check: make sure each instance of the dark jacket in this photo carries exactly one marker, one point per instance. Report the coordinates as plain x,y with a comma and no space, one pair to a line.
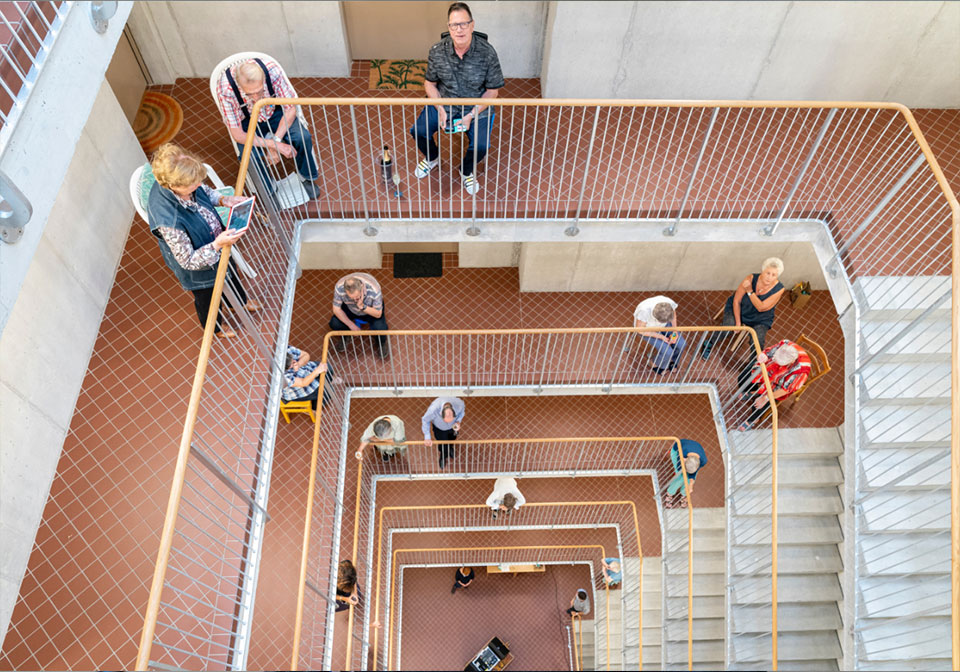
163,209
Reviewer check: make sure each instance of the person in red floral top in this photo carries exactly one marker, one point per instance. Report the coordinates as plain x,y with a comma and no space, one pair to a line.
788,366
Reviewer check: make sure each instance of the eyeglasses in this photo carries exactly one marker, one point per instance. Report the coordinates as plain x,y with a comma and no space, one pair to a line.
460,26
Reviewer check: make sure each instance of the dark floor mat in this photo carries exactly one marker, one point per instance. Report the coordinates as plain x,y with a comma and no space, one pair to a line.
417,265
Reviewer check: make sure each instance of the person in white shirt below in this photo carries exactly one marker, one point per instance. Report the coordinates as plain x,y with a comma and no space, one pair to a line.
443,416
506,496
660,311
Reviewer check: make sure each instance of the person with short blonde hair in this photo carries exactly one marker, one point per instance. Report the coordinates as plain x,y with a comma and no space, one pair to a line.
279,133
181,213
752,305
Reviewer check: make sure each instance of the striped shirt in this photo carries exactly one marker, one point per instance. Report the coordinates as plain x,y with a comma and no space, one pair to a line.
787,378
232,113
372,295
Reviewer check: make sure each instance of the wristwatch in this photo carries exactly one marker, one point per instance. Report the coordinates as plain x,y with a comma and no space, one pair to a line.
749,293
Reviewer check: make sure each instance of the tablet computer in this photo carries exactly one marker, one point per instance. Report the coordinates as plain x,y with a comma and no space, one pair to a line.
240,214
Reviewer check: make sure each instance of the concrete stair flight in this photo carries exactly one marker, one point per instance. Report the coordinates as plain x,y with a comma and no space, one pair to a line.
809,556
903,474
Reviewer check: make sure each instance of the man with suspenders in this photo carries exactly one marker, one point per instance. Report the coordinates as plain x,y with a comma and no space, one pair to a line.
279,132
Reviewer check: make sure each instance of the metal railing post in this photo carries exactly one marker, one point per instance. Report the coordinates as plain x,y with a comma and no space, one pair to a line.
573,229
771,229
672,229
369,229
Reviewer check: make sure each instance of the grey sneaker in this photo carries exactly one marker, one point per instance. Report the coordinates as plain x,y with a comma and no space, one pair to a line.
470,184
424,167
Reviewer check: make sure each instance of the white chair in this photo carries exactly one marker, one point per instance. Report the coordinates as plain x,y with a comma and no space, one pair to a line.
137,196
289,191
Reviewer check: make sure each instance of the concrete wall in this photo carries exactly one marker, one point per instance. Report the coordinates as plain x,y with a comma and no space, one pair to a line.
187,39
340,255
665,266
54,322
43,142
407,29
890,51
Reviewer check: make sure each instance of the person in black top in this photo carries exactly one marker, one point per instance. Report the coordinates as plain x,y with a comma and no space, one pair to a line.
461,65
463,578
753,303
347,591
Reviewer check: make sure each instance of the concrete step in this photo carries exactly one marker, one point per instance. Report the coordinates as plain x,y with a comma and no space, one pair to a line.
799,589
891,597
710,606
711,562
926,664
904,553
790,617
896,511
792,646
704,518
651,658
703,629
703,585
906,296
903,423
825,441
756,560
907,380
709,651
930,336
904,468
795,472
704,541
790,530
791,501
916,639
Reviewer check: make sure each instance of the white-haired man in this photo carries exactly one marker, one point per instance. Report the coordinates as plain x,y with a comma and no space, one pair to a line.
788,366
694,459
279,132
660,311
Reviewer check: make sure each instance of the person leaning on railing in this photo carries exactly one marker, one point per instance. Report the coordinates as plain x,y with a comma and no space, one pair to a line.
506,496
182,215
461,65
443,417
579,604
280,133
752,305
694,459
388,434
788,366
660,311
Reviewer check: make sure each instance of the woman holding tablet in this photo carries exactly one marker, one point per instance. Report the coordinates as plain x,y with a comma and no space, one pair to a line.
181,213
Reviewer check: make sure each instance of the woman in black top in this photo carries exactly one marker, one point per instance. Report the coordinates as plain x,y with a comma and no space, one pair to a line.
753,303
463,578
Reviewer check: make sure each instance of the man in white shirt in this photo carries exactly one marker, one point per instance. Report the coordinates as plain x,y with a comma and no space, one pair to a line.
660,311
506,496
443,417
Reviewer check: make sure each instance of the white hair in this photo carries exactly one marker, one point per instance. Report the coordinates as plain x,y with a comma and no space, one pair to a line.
692,463
250,72
785,355
773,262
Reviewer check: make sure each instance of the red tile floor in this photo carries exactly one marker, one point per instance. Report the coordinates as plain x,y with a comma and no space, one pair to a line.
81,602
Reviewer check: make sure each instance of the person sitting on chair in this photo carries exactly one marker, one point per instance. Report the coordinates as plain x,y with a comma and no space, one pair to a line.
752,305
461,65
788,366
300,378
279,132
357,299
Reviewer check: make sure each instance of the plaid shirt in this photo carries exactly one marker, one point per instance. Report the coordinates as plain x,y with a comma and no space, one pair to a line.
291,393
232,113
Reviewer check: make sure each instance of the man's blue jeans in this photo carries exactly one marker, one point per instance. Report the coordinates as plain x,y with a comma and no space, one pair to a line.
296,136
667,355
428,123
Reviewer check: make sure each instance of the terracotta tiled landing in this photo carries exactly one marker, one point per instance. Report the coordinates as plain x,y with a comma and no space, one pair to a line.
443,631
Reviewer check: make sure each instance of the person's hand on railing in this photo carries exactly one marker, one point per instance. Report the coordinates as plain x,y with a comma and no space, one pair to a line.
428,442
354,600
285,150
762,358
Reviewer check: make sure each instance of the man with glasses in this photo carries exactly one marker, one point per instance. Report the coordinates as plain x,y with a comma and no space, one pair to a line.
461,65
279,132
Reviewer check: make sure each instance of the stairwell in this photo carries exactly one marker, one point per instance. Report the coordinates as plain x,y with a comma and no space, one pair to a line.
627,658
809,535
903,474
709,551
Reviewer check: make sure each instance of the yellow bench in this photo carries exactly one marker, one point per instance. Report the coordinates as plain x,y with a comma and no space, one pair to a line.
290,407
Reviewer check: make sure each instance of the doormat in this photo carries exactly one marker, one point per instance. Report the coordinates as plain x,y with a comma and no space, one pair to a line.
406,74
158,120
417,264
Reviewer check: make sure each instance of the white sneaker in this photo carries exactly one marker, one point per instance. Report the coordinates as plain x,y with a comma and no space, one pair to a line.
470,184
424,167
